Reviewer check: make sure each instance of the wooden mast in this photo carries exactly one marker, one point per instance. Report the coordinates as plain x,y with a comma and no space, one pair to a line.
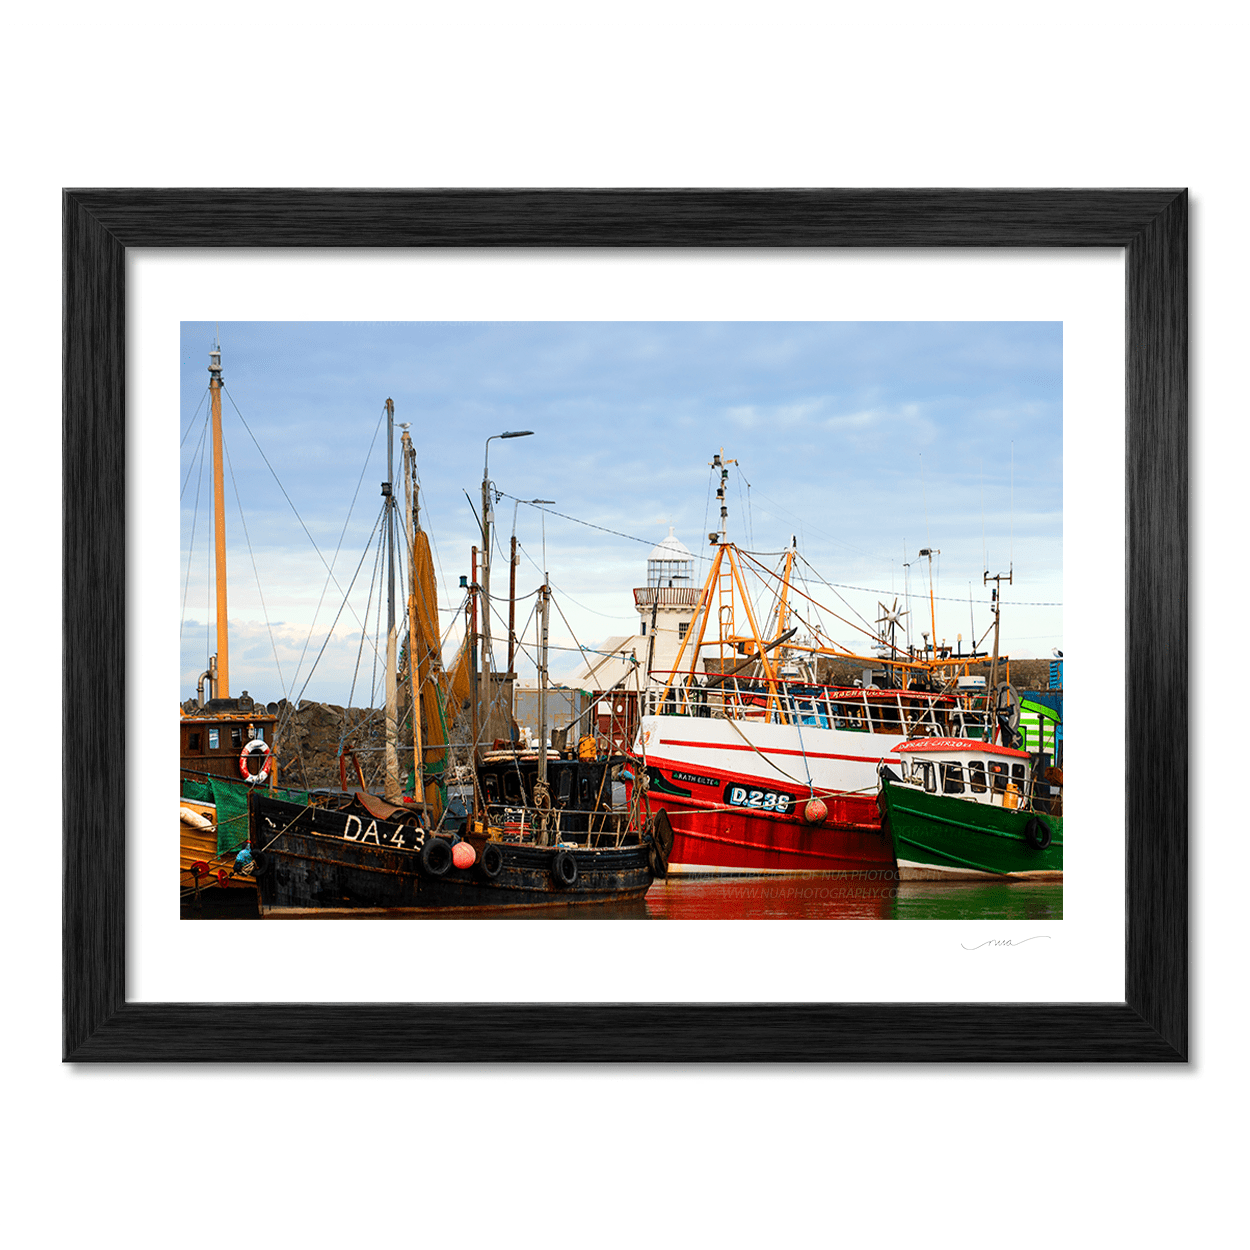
391,789
221,686
414,664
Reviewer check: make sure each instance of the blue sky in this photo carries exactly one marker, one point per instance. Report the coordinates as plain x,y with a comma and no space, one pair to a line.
867,441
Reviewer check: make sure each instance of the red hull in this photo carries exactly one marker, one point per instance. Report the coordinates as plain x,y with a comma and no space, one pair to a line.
710,835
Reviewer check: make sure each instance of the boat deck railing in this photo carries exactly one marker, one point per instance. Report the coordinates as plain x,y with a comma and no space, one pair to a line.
603,827
903,713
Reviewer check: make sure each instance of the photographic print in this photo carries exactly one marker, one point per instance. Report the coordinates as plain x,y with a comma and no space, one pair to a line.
594,620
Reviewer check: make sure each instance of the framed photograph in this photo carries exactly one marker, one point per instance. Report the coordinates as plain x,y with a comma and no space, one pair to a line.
101,339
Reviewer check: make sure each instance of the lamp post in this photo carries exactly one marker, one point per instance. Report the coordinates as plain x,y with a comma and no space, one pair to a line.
486,538
489,692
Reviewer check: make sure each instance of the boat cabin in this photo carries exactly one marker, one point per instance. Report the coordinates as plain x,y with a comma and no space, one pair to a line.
216,739
961,767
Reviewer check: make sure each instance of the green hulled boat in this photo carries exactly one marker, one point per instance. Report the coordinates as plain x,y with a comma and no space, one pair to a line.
965,810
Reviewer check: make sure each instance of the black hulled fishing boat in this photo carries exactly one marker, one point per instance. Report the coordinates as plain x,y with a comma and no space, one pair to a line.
357,851
510,827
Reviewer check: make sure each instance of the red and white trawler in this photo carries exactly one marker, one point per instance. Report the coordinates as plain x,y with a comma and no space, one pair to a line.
760,767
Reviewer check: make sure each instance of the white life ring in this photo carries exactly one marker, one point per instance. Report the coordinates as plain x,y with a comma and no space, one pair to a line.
256,744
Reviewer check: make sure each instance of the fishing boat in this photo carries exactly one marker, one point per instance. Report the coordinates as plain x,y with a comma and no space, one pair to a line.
507,827
762,768
356,852
965,810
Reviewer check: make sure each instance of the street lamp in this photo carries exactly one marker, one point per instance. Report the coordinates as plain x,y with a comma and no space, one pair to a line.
486,538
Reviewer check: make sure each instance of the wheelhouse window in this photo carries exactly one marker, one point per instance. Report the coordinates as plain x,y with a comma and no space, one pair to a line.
848,716
976,776
998,776
193,743
930,783
236,736
952,779
214,739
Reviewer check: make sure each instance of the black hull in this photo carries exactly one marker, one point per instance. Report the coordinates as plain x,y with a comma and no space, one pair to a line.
319,858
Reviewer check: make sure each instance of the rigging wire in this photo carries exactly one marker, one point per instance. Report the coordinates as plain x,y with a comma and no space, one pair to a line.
291,706
607,616
707,507
342,534
198,452
195,516
383,541
373,581
193,416
247,538
287,497
503,494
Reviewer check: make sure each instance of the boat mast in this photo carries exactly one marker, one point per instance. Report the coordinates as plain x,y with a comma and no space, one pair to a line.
414,667
475,689
931,552
544,592
997,579
783,605
221,686
392,790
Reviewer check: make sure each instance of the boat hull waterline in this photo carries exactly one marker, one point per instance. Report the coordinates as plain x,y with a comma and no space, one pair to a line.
940,838
736,793
320,858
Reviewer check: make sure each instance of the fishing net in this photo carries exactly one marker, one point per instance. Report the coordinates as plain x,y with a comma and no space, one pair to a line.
230,798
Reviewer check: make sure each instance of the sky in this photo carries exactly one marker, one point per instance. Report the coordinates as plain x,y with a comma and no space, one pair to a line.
864,441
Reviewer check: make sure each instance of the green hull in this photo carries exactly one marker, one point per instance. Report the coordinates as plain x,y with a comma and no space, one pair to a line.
937,836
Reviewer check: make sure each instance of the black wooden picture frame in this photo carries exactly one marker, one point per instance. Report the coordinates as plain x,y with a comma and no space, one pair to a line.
1151,1024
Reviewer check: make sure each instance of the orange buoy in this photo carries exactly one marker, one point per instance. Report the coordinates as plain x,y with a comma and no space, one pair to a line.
463,855
815,812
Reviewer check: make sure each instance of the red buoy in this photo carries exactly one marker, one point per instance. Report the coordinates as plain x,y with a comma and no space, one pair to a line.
463,855
815,812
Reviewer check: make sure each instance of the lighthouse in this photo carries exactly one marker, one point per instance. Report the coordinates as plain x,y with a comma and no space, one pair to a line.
666,605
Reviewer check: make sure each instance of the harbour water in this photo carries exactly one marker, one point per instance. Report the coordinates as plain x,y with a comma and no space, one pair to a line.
828,898
865,896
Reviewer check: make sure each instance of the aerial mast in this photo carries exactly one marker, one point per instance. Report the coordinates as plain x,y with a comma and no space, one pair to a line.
221,687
